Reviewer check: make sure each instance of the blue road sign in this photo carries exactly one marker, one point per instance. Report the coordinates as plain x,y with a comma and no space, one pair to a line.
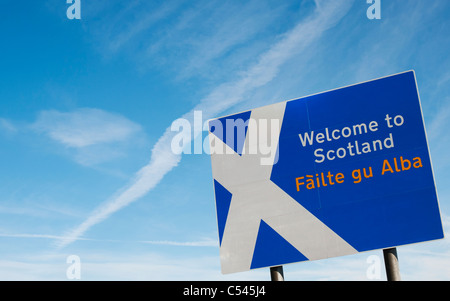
331,174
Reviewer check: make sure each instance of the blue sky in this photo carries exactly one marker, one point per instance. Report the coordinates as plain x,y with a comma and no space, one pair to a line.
87,105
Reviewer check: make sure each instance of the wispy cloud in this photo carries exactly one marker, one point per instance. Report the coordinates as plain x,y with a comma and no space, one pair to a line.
161,162
143,21
84,127
200,243
440,123
207,242
226,30
439,141
37,207
7,126
45,236
92,134
221,98
190,38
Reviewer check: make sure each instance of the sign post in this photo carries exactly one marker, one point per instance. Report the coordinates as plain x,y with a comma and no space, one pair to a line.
391,264
331,174
276,273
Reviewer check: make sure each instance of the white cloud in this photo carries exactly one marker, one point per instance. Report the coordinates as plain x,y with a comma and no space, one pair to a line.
440,123
145,18
202,38
200,243
84,127
90,136
45,236
7,127
205,242
439,140
228,29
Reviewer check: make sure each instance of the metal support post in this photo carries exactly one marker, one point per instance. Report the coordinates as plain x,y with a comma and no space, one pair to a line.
276,273
391,264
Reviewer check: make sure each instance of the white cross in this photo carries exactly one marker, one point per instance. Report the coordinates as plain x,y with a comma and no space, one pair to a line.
256,197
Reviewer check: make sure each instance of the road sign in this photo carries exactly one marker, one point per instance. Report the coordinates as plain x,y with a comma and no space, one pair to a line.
331,174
